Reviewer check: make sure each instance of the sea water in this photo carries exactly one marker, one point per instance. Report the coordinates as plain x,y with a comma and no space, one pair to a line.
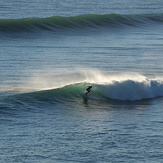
51,51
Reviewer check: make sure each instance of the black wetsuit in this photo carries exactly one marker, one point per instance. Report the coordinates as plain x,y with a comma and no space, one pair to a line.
88,90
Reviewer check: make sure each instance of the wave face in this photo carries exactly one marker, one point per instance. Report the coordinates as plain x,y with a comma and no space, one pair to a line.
81,21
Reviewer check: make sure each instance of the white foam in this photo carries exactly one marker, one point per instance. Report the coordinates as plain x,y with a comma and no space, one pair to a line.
133,89
126,86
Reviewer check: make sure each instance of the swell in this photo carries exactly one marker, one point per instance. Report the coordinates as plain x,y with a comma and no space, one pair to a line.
75,22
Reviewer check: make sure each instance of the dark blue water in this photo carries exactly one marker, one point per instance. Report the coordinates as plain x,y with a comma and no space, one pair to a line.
51,52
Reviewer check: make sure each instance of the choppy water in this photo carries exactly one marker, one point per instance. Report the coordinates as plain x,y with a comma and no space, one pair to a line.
51,52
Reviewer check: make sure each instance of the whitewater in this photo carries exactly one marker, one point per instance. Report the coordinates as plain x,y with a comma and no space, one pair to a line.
51,51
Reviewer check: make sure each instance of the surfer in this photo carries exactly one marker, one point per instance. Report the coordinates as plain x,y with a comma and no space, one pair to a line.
88,89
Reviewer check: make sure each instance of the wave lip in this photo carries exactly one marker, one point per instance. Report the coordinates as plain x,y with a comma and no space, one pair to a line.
81,21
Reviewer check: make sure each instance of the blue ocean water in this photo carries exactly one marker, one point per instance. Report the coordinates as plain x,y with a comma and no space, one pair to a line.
51,51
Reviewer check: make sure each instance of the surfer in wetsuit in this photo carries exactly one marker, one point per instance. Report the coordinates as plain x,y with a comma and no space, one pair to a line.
88,89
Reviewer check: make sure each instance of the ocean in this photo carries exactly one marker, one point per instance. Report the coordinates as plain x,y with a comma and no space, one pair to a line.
51,51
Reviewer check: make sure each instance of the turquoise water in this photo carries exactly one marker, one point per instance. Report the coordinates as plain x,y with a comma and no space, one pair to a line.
51,52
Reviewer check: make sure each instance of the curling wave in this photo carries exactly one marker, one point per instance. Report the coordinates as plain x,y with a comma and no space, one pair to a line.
126,90
81,21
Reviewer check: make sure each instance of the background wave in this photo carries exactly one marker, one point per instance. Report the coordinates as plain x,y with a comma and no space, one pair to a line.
81,21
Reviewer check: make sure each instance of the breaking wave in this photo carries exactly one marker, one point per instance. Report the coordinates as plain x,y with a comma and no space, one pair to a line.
122,90
127,90
106,88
